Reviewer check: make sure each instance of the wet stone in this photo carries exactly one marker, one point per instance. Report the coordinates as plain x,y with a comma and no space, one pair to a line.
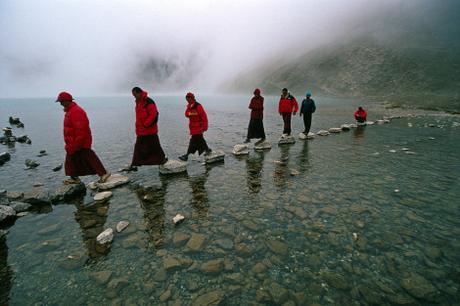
259,268
225,243
250,225
297,211
235,278
278,293
160,275
209,299
196,242
6,212
336,281
67,192
101,277
165,296
242,249
171,263
49,245
212,266
122,225
277,247
180,238
419,287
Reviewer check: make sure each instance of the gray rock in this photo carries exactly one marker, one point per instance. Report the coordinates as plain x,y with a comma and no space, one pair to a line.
214,157
105,237
286,139
241,149
20,206
322,133
6,212
264,145
122,225
57,168
310,135
214,266
196,242
212,298
4,157
113,181
171,263
23,139
345,127
335,130
102,196
173,167
67,192
31,164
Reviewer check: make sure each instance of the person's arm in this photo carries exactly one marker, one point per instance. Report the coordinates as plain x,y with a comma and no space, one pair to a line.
279,106
152,114
204,117
80,124
296,105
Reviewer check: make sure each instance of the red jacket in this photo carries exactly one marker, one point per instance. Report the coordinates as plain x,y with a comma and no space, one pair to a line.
77,134
361,114
146,116
257,107
288,104
198,120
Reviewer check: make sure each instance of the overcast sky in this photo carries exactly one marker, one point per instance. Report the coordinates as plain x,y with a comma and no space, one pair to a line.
101,47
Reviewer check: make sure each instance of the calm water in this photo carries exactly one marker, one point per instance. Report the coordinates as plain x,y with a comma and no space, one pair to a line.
335,234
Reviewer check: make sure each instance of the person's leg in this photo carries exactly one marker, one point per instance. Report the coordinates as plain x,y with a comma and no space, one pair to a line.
307,122
287,123
191,148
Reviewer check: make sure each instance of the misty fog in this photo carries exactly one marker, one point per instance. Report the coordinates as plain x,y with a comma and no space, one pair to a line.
106,47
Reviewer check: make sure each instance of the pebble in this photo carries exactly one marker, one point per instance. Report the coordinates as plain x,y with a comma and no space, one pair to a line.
178,219
122,225
101,196
105,237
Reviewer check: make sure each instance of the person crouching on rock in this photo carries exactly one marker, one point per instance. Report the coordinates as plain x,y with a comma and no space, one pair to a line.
360,115
147,150
307,109
80,160
198,124
256,124
287,106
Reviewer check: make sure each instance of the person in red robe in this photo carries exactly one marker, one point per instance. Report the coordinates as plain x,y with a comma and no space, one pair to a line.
360,115
80,159
256,124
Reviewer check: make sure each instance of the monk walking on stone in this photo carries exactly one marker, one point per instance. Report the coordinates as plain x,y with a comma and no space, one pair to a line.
80,160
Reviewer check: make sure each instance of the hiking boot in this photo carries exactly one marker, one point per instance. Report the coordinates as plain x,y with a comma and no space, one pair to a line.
184,157
72,181
104,177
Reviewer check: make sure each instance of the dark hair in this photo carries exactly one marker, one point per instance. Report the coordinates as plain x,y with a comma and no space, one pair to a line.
284,89
136,89
360,108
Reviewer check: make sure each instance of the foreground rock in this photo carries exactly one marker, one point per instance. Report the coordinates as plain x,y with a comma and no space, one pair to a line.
286,139
6,213
214,157
102,196
57,168
113,181
209,299
37,196
24,139
173,167
105,237
322,133
68,192
335,130
178,219
241,149
31,164
20,206
4,157
264,145
122,225
310,135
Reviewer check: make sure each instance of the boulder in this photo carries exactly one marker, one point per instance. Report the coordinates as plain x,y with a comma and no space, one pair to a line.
37,196
286,139
173,167
4,157
102,196
214,157
20,206
105,237
322,133
122,225
113,181
335,130
67,192
6,212
31,164
240,149
264,145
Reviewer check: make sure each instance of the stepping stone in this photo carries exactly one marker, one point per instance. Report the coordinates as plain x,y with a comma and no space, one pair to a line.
105,237
173,167
380,121
345,127
335,130
214,157
102,196
370,122
286,140
264,145
113,181
310,135
178,219
122,225
361,124
322,133
241,149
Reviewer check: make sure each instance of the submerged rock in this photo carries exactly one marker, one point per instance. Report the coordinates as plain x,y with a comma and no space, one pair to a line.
214,266
105,237
419,287
214,157
6,212
31,164
196,242
322,133
113,181
277,247
4,157
209,299
122,225
57,168
335,130
20,206
102,196
286,139
67,192
23,139
173,167
264,145
178,219
241,149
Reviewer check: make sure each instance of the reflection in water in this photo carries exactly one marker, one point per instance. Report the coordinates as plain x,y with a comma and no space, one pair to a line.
199,200
92,220
303,157
254,167
358,133
6,274
152,200
281,170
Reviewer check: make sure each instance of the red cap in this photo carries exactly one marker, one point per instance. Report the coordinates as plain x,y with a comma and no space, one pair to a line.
64,96
190,95
257,91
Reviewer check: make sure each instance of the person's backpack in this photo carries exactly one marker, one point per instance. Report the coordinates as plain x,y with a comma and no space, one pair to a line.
150,101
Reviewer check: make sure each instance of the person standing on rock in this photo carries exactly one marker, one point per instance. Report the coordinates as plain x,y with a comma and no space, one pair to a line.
80,158
256,124
287,106
198,124
147,150
360,115
307,108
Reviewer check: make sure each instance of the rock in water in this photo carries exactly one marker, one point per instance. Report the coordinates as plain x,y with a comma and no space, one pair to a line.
31,164
67,192
4,157
380,122
102,196
173,167
6,212
335,130
345,127
37,196
105,237
353,125
23,139
122,225
57,168
370,122
286,139
241,149
264,145
20,206
178,219
214,157
113,181
322,133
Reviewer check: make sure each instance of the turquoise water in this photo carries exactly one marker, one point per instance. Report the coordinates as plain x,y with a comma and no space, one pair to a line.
358,225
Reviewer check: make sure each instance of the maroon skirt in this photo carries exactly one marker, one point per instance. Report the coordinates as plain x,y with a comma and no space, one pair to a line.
148,151
83,162
197,143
